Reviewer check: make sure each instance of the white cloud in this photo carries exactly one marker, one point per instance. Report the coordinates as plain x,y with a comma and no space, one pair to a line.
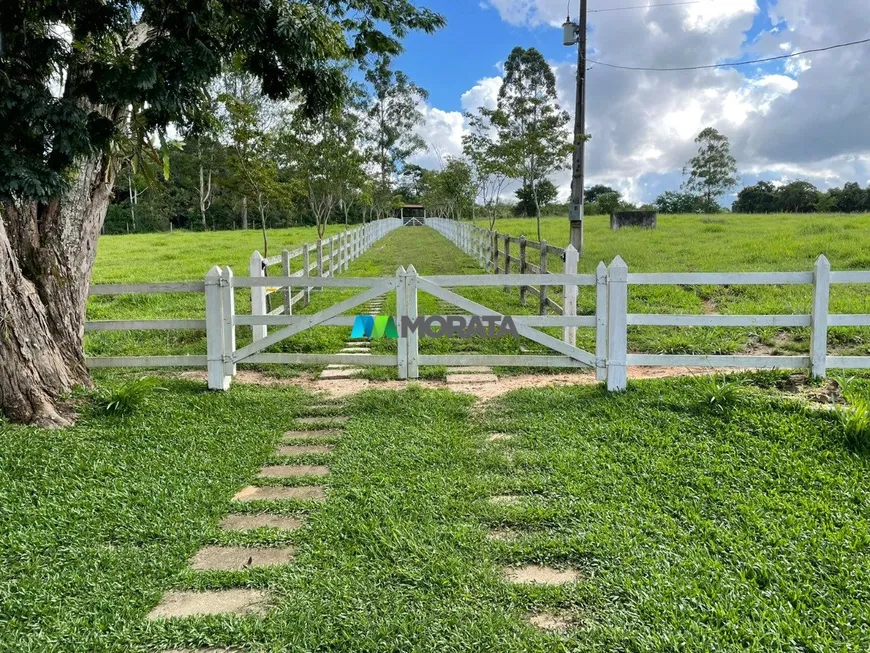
482,94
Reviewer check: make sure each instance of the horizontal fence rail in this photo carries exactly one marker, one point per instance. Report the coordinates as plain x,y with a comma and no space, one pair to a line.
326,258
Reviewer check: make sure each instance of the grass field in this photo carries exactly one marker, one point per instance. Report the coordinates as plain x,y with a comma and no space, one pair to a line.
681,243
691,530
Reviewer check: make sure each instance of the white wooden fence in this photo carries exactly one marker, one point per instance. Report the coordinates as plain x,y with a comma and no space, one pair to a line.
330,257
610,321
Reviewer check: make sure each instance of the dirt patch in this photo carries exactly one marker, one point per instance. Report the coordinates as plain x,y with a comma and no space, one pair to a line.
237,558
551,621
196,604
483,391
265,520
540,575
470,379
292,471
710,307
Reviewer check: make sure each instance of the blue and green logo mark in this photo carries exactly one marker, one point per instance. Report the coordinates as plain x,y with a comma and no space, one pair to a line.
374,328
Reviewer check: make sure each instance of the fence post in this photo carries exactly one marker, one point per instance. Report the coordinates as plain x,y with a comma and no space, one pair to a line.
572,258
257,270
545,269
228,308
306,267
401,309
494,253
617,326
523,269
601,322
214,322
821,305
288,291
507,257
411,313
331,265
320,257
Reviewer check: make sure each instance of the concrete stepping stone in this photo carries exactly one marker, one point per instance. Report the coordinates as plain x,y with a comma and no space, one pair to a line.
204,650
551,621
340,374
506,500
293,471
539,575
177,604
502,535
461,379
500,437
237,558
275,493
330,419
303,449
291,436
243,522
356,350
471,369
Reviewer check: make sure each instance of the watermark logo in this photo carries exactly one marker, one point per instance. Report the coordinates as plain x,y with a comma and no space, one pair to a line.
374,328
435,326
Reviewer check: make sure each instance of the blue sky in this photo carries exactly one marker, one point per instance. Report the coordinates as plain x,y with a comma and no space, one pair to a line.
643,124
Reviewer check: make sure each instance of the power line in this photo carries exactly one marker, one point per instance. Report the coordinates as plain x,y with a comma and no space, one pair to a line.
736,63
666,4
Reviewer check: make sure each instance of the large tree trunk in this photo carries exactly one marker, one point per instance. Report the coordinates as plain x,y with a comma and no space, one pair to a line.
245,213
47,253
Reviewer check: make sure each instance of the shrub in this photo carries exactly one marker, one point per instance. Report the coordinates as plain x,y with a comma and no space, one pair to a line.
719,394
125,399
856,426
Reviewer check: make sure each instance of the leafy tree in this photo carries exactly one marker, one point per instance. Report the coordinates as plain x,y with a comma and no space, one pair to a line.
853,199
763,197
487,157
528,204
673,202
393,115
593,193
798,197
609,202
713,171
72,74
532,127
454,186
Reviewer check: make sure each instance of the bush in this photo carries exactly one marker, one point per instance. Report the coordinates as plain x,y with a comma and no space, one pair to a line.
719,394
125,399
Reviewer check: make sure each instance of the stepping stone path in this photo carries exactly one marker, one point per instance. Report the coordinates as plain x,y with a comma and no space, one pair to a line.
238,558
331,420
292,471
243,522
539,575
551,621
353,348
303,449
197,604
506,500
275,493
500,437
180,604
293,436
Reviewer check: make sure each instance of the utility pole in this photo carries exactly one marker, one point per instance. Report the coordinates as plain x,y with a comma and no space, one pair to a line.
576,34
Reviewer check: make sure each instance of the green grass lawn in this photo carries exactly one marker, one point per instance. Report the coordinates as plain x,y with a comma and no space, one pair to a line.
693,530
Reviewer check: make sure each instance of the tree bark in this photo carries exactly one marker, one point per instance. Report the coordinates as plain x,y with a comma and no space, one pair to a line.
47,253
245,212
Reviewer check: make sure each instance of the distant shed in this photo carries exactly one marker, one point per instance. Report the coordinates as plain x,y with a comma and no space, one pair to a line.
412,215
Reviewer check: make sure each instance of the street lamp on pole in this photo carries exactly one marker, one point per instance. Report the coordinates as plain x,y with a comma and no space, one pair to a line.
575,34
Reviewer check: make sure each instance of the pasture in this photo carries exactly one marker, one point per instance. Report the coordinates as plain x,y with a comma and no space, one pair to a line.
690,243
